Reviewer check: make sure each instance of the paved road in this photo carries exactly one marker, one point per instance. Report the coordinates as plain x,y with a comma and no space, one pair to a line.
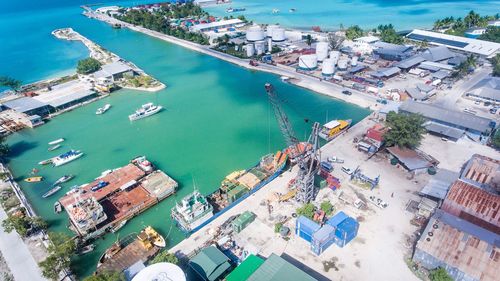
16,254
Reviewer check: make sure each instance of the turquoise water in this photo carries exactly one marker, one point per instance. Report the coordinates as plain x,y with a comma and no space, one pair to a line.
329,14
216,119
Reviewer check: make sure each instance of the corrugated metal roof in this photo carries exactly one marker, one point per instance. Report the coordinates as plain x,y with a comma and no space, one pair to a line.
444,130
439,53
458,118
417,94
275,268
483,172
245,269
410,158
116,67
210,262
441,74
440,183
410,62
24,104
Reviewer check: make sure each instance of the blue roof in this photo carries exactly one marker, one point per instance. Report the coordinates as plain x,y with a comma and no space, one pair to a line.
337,219
307,224
348,225
324,233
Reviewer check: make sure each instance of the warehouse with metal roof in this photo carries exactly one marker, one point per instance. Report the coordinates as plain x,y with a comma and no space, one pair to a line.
210,264
275,268
439,184
67,94
487,89
29,106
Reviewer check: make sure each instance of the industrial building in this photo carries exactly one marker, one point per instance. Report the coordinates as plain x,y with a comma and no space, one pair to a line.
483,172
275,268
28,106
449,123
466,251
67,94
466,45
487,90
413,161
114,71
438,186
210,264
211,26
392,52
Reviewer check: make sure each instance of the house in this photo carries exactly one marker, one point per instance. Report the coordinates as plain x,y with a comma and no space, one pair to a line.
488,89
413,161
210,264
374,138
466,251
450,123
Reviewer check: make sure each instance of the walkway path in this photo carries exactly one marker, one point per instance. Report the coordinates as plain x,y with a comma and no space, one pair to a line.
22,265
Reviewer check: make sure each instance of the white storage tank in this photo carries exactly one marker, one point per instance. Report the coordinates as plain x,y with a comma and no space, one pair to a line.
335,55
328,68
279,34
260,47
342,64
354,61
322,50
255,33
308,62
270,29
250,50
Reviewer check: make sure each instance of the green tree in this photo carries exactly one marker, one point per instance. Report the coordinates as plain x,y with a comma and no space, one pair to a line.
388,34
472,19
18,223
495,140
10,82
439,274
492,34
87,66
106,276
326,207
164,256
353,32
309,40
406,130
61,249
4,148
495,61
307,210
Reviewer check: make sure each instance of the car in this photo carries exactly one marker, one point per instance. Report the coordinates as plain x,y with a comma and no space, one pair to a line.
477,102
346,92
347,170
335,160
444,139
487,103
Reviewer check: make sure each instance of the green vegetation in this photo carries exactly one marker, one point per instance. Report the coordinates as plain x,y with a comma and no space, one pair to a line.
458,26
309,40
164,256
106,276
353,32
23,224
143,81
165,19
4,148
307,210
492,34
406,130
388,34
495,61
465,67
495,140
439,274
327,207
277,227
10,82
61,248
87,66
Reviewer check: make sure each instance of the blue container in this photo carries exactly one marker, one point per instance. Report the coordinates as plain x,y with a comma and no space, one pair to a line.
305,228
322,239
346,231
337,219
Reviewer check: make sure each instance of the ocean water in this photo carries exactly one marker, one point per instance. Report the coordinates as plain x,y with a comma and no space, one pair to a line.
217,118
330,14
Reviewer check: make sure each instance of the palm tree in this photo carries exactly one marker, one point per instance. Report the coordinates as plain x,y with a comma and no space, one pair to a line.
309,40
472,19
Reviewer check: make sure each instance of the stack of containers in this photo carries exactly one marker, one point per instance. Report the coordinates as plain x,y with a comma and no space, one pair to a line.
322,239
243,221
346,231
305,228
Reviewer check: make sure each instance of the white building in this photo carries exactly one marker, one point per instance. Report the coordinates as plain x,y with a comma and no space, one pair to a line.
203,27
364,45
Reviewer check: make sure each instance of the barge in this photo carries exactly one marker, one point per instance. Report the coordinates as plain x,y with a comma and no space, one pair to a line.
128,191
196,211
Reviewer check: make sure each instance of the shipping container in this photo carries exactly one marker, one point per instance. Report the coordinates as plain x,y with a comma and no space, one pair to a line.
322,239
337,219
305,228
235,193
346,231
243,221
319,181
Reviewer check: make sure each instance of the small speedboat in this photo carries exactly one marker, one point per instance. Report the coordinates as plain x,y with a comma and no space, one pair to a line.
34,179
292,10
52,191
45,162
57,207
275,11
102,110
118,226
86,249
58,141
62,179
54,147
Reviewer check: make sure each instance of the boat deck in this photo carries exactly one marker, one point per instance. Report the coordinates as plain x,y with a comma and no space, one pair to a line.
116,180
127,257
124,204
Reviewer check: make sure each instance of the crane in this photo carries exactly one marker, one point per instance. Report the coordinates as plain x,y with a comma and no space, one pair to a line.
308,160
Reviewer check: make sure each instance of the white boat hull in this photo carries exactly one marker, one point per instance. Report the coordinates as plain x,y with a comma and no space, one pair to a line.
134,117
59,162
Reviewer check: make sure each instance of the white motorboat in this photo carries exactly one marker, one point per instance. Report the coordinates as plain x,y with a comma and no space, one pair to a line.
58,141
146,110
103,109
67,157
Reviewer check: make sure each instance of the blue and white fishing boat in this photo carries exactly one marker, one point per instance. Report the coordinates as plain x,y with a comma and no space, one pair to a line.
67,157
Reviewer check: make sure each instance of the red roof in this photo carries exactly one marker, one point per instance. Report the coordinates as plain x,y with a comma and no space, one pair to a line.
376,132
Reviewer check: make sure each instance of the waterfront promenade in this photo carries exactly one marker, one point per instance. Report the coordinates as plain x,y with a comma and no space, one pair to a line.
301,80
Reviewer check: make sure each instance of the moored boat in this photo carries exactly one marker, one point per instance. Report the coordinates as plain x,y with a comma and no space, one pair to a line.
52,191
193,210
46,162
334,128
67,157
118,226
86,249
103,109
63,179
152,235
54,147
146,110
58,141
34,179
57,207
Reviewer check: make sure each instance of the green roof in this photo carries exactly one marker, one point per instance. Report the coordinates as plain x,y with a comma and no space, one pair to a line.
210,263
275,268
245,269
